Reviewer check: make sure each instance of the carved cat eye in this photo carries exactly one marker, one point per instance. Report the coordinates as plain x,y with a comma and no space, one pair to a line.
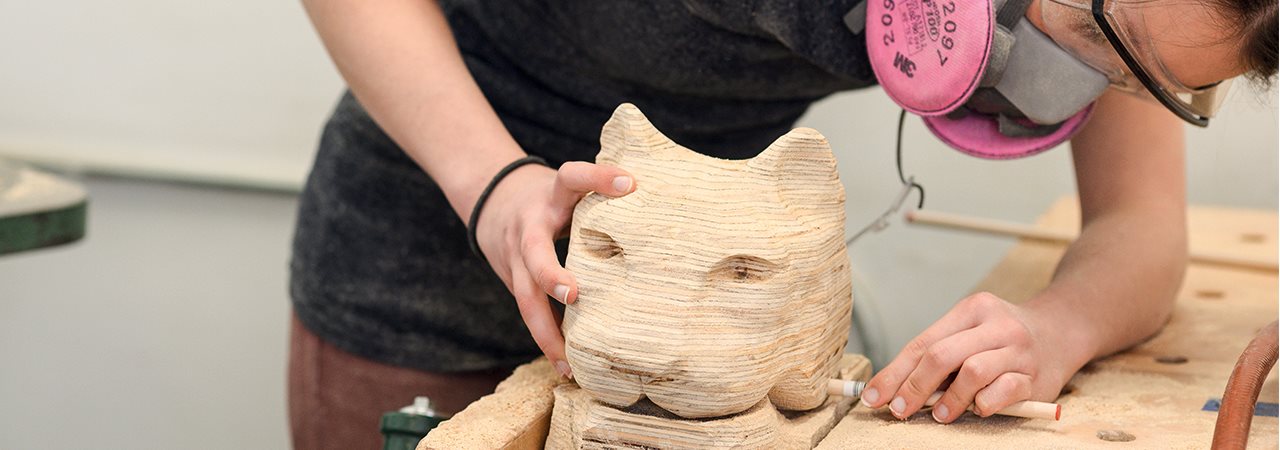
598,244
743,269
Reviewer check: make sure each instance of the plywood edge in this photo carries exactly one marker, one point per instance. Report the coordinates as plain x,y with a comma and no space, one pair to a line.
516,416
808,430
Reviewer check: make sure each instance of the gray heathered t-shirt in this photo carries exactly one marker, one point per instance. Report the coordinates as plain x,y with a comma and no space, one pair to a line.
381,266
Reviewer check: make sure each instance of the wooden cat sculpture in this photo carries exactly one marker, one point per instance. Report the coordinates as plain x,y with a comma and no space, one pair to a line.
714,285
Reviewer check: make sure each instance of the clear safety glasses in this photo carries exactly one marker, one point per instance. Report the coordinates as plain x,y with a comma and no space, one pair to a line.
1112,37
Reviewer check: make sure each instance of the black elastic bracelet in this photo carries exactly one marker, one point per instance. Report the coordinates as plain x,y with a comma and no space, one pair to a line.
484,195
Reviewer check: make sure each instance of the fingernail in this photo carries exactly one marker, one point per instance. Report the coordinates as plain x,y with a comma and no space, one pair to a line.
622,184
898,405
940,413
563,368
561,292
870,396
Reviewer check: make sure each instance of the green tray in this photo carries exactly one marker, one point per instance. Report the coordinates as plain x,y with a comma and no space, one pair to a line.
38,209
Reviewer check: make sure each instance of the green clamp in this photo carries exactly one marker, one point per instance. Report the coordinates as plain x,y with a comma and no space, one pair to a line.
403,429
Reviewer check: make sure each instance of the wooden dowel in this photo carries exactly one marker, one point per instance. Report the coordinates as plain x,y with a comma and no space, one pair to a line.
1028,409
1003,228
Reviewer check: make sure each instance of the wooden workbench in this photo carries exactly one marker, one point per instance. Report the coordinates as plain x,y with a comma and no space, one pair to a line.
1132,394
1159,404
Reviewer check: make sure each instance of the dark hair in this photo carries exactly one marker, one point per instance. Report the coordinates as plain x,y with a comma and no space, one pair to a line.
1258,31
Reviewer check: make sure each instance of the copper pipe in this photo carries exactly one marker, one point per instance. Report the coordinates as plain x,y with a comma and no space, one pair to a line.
1241,397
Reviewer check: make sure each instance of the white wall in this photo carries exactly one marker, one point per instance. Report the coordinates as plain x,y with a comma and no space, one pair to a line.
177,88
166,326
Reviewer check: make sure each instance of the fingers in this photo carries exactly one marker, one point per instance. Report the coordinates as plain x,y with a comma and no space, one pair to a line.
938,361
988,340
976,373
539,254
536,311
576,178
1007,389
883,387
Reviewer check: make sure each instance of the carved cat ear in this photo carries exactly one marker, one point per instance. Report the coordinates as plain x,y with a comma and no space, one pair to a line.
804,167
803,156
629,134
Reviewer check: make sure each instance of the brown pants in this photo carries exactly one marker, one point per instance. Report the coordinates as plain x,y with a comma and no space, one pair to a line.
336,399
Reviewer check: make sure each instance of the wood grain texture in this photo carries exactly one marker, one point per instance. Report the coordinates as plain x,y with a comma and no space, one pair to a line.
1153,392
1196,252
580,422
714,285
516,416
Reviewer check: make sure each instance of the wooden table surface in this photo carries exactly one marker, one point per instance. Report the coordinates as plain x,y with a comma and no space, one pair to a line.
1158,404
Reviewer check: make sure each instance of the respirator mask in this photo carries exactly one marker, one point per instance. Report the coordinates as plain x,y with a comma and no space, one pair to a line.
987,82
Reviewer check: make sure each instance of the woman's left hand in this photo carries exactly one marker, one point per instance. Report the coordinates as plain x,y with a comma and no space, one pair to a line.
1000,353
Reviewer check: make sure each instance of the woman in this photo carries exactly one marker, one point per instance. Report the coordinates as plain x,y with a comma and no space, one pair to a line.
391,303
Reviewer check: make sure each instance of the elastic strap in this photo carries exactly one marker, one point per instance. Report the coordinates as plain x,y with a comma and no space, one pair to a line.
484,195
1012,128
1011,12
856,19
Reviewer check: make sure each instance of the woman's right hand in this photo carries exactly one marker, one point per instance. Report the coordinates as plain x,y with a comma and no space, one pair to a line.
433,109
523,216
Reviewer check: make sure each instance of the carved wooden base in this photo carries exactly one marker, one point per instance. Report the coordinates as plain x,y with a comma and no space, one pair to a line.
579,422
